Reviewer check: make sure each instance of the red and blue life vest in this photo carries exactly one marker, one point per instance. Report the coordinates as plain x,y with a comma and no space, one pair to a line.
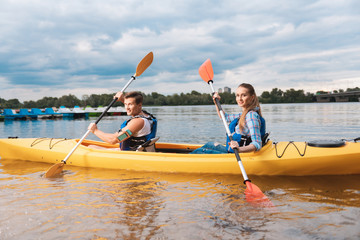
243,140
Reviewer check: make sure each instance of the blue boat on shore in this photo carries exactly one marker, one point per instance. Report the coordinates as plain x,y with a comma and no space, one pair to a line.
33,114
10,114
27,114
76,112
49,113
62,112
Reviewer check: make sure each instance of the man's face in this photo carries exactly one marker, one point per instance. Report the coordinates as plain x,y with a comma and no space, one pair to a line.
132,109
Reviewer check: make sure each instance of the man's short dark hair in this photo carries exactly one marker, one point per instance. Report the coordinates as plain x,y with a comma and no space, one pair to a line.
137,95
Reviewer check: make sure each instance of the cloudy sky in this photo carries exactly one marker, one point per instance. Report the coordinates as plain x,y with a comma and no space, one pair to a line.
55,48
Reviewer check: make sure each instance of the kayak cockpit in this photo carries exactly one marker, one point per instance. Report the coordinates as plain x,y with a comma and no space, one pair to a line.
159,147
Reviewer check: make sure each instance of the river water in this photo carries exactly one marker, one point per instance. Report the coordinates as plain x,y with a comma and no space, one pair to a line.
105,204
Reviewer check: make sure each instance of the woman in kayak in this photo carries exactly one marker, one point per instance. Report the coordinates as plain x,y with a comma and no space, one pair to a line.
248,127
135,131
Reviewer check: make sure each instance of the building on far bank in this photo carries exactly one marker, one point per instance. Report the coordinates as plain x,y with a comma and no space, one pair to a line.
227,89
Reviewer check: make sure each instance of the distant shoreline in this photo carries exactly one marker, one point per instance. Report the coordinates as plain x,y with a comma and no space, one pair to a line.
184,99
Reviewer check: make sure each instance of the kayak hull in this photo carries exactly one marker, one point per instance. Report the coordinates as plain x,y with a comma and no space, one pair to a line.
295,159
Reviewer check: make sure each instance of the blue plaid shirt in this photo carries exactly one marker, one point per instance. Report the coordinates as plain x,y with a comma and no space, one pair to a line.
251,128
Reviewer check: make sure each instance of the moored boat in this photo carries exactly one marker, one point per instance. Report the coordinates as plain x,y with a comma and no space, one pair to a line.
27,114
10,114
283,158
74,113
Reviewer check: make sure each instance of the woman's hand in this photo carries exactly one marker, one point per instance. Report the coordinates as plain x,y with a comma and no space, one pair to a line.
92,127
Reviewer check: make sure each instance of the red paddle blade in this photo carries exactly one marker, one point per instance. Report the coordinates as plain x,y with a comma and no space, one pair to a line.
255,196
206,71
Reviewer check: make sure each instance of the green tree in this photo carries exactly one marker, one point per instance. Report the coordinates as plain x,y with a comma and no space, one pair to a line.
2,103
69,101
227,98
195,93
84,99
293,96
30,104
48,102
265,94
265,97
160,101
13,103
352,89
276,95
94,100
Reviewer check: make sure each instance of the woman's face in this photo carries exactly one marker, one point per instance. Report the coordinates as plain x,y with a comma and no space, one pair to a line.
243,97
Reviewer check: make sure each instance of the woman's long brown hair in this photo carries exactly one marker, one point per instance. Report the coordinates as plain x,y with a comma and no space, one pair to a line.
252,106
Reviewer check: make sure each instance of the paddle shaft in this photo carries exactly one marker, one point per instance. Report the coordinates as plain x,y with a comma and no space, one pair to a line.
97,121
222,114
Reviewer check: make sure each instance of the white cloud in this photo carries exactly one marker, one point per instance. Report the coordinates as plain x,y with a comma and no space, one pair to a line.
298,71
49,47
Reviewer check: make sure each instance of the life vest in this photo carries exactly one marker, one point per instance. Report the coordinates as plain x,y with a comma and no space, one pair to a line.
243,140
133,142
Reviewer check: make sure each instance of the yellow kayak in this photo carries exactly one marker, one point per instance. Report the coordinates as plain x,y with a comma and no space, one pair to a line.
283,158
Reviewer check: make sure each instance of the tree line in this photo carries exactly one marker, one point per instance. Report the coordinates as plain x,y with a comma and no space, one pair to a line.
156,99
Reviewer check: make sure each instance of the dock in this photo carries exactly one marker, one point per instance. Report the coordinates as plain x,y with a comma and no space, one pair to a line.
338,97
62,112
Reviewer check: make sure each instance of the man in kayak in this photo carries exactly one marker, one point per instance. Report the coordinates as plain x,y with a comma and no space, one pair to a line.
135,131
247,128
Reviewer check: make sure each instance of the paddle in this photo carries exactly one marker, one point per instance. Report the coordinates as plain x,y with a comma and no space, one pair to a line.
141,67
253,193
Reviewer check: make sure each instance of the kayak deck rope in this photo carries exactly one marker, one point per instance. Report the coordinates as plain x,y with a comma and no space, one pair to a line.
289,143
355,139
38,140
306,144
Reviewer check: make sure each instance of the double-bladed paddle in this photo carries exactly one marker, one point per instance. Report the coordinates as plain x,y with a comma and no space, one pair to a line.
141,67
253,193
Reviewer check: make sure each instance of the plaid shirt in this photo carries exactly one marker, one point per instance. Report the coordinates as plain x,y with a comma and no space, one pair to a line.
251,128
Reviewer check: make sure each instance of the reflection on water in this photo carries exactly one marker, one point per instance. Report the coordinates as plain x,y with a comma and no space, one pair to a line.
304,122
105,204
97,203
